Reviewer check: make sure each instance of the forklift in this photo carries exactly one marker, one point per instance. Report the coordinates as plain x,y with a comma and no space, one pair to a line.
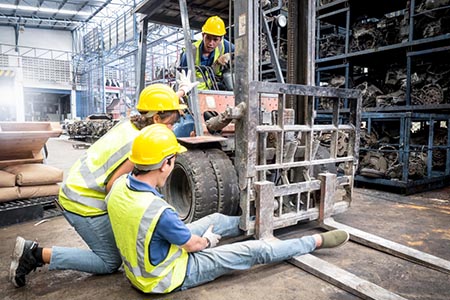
267,153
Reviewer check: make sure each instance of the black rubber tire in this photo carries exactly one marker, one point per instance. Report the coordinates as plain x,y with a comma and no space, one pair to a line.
227,182
191,188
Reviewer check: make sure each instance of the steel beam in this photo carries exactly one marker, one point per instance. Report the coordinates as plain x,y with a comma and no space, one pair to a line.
342,279
141,57
193,98
390,247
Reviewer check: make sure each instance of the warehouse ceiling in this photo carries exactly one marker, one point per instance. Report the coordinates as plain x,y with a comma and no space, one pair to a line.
168,12
58,14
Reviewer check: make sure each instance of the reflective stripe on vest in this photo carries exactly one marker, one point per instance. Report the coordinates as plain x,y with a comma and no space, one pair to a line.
90,178
220,50
134,216
92,202
84,190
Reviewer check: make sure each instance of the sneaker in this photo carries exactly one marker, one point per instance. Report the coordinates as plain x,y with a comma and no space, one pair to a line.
23,261
334,238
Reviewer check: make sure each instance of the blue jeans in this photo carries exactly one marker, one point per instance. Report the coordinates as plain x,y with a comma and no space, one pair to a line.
184,126
207,265
103,258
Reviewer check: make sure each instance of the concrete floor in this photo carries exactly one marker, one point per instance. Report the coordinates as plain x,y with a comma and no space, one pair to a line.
421,221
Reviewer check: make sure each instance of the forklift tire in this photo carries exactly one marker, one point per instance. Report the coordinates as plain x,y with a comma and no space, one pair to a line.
191,188
227,182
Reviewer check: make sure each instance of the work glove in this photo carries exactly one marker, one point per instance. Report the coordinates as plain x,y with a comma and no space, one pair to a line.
184,81
212,238
224,59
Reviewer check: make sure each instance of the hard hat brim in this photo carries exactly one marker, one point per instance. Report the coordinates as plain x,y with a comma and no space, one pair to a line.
214,33
182,149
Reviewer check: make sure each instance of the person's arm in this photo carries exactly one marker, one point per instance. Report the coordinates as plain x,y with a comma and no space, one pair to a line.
196,243
183,60
124,168
184,83
174,231
181,93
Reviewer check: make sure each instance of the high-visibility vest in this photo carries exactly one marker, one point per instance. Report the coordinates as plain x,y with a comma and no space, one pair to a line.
84,190
219,51
133,217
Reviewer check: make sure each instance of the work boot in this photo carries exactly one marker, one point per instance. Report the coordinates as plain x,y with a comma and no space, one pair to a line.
334,238
23,261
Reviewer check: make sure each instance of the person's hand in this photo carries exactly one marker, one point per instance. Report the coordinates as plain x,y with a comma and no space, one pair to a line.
184,82
212,238
224,59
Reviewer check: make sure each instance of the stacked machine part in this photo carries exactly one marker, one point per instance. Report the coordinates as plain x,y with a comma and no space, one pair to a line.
396,53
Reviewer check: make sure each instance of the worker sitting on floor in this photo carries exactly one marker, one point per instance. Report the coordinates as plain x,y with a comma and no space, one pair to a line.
160,253
83,193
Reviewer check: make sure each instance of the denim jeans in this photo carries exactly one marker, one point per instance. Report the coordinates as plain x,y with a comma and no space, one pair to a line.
207,265
184,126
103,256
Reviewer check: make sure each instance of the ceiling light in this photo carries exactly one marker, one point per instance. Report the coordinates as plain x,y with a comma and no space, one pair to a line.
281,20
45,9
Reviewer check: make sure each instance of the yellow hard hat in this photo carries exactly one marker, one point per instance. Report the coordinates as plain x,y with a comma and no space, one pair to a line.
153,145
159,97
215,26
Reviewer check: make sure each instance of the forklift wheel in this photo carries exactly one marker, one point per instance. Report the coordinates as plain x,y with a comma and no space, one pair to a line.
227,182
191,188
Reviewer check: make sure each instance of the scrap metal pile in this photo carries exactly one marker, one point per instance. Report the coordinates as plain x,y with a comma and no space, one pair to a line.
386,86
331,45
432,21
89,130
392,28
430,85
380,154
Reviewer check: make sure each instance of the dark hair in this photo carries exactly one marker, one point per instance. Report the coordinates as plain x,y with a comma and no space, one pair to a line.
141,121
168,114
136,171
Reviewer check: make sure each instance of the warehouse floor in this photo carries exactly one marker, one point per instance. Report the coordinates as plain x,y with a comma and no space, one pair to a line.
421,221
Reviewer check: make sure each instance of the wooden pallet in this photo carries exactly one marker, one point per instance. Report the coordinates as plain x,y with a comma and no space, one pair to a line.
23,142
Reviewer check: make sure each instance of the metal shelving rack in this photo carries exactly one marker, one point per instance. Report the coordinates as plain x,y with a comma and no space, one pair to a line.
338,15
407,147
413,47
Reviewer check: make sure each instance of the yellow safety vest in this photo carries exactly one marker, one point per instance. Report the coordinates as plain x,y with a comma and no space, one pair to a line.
220,50
84,190
133,217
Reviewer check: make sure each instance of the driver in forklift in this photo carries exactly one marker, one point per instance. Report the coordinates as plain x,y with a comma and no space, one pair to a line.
212,54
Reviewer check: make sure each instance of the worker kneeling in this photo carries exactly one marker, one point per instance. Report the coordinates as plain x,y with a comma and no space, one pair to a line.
160,253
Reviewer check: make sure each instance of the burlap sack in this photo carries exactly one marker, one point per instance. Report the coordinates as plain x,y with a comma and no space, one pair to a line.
26,192
7,179
35,174
9,193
